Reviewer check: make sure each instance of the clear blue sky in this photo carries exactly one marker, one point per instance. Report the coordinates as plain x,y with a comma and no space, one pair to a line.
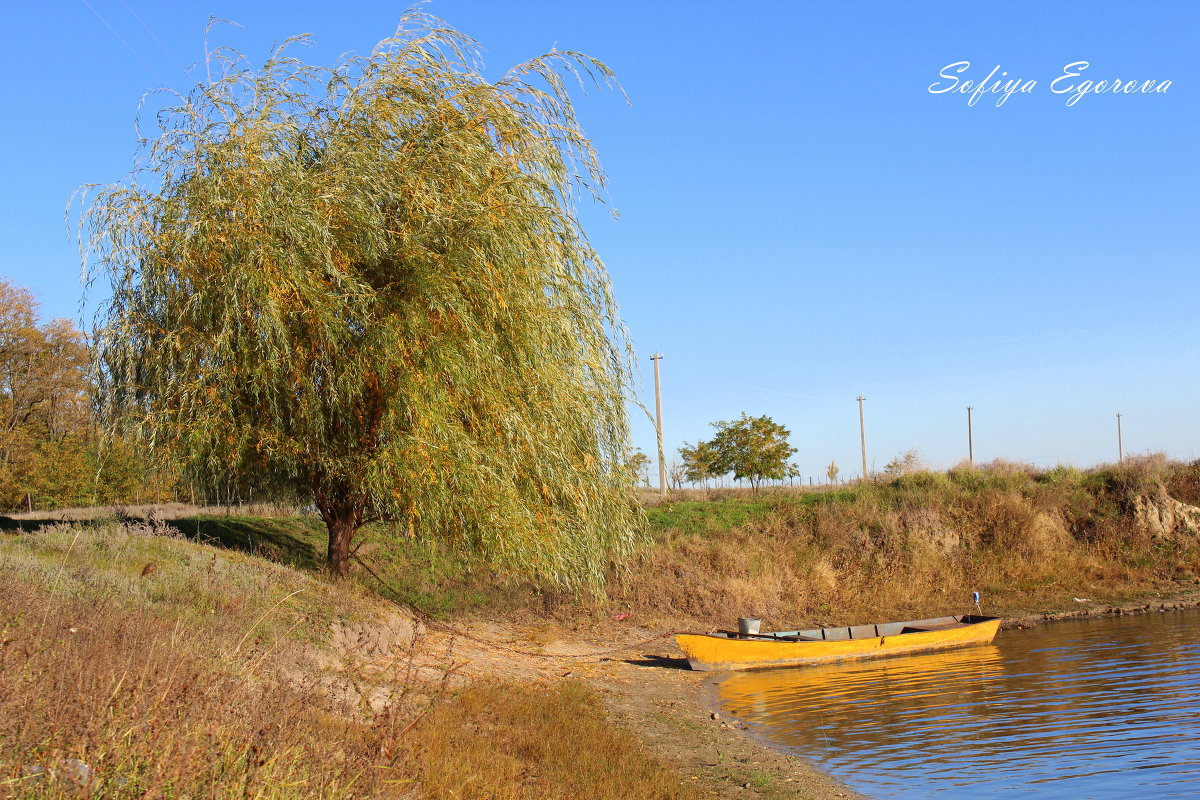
801,220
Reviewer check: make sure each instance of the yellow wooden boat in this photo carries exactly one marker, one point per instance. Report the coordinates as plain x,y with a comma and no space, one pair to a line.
725,650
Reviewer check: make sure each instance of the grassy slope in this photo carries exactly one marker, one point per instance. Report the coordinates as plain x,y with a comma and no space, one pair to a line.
912,546
212,674
919,545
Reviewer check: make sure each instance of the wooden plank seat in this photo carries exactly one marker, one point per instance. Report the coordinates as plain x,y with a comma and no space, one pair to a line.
942,626
773,637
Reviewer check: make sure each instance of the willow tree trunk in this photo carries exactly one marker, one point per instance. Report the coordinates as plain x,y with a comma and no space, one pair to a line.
342,512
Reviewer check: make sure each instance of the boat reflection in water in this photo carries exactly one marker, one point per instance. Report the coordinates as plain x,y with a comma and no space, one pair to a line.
907,688
1097,708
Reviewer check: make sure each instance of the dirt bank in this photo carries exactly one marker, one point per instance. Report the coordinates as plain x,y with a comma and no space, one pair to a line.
1171,601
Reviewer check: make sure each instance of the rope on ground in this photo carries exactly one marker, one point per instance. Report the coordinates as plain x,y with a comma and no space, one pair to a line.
429,621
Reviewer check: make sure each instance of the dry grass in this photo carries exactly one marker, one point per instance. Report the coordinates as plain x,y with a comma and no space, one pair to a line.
156,710
215,675
915,545
162,511
507,741
189,681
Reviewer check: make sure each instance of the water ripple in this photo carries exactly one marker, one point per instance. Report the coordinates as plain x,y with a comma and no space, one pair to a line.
1090,709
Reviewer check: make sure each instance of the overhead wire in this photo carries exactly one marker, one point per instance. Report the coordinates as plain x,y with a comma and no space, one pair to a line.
121,39
154,36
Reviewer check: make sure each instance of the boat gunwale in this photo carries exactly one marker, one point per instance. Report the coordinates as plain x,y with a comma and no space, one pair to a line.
799,636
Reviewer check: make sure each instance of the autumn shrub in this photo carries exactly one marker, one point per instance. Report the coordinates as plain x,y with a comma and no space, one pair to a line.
1184,483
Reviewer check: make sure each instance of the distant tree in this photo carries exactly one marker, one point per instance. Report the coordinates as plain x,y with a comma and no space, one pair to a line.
50,456
906,463
832,471
697,462
639,467
45,421
369,283
675,474
793,471
752,448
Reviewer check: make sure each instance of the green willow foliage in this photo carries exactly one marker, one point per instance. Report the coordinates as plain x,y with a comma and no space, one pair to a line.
370,282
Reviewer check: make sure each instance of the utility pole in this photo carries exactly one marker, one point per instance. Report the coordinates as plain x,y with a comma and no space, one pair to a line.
970,439
862,434
662,458
1120,444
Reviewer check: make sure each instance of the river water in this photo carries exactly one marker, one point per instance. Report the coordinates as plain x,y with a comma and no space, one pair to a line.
1100,708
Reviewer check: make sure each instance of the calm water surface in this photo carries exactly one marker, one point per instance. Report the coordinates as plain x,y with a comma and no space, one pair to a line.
1104,708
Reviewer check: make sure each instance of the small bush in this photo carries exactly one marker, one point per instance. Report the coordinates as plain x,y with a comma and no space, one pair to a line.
1184,483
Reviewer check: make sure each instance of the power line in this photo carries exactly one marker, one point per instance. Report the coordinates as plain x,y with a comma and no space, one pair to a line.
121,39
154,36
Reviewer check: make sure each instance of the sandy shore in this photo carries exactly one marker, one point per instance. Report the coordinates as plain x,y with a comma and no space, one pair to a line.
660,700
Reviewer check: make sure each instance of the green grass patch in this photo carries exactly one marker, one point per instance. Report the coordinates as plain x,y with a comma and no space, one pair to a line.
295,541
698,517
425,575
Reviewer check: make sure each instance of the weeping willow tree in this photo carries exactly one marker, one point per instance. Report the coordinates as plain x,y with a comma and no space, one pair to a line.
369,282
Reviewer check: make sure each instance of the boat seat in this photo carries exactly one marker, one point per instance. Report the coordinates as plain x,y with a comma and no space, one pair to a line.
769,637
945,626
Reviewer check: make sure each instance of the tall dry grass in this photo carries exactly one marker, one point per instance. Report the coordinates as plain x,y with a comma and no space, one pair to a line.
217,675
162,511
914,545
167,670
156,708
546,743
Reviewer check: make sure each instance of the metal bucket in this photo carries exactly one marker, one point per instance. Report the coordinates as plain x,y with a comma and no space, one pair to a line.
749,625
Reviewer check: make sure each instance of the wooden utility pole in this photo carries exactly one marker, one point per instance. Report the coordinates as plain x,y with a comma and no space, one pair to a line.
1120,444
662,458
862,434
970,439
